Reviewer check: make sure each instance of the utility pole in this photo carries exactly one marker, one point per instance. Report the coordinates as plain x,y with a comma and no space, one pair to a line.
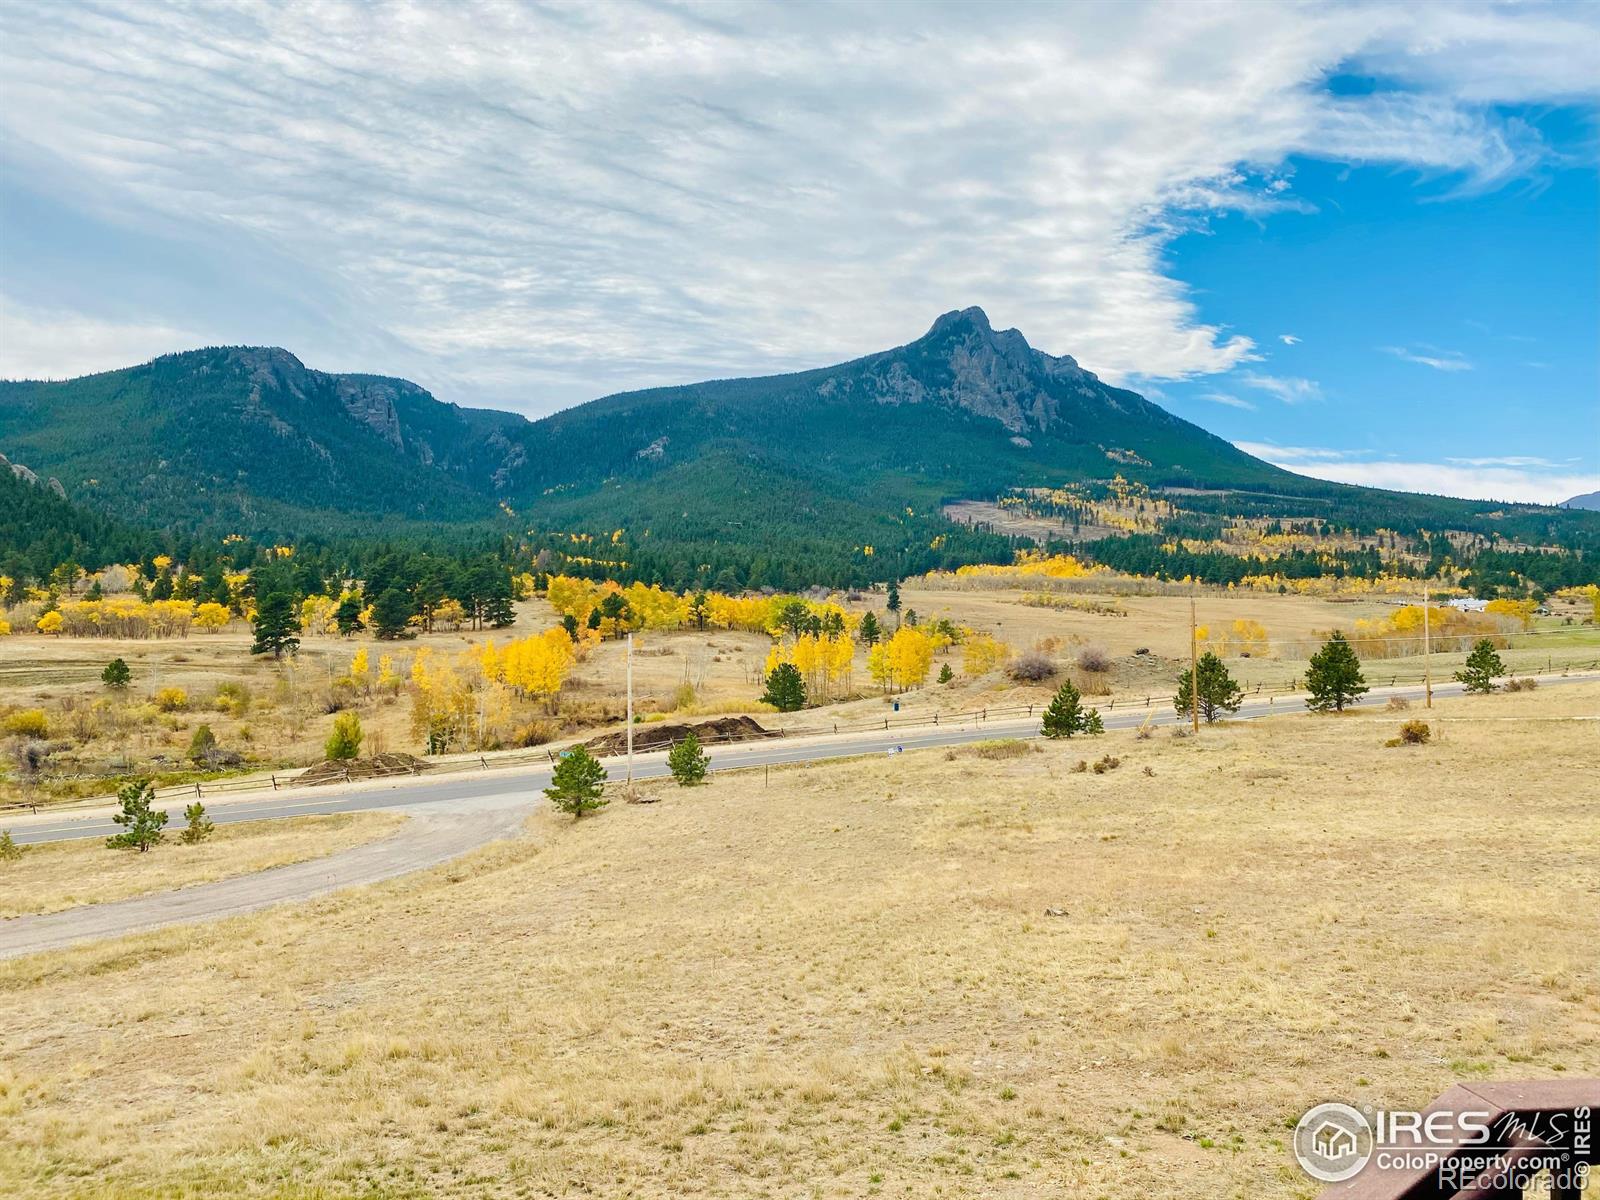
1427,648
630,714
1194,668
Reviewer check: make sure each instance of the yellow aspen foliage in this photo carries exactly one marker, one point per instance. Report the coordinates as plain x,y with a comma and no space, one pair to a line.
389,679
49,623
442,704
212,616
450,612
5,627
360,670
981,653
316,614
1519,610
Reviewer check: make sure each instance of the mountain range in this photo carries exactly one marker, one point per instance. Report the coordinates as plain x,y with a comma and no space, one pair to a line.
814,466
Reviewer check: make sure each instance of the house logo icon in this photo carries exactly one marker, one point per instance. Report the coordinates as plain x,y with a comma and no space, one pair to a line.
1333,1142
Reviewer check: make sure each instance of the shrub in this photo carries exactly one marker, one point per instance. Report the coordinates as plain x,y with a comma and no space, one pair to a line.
9,850
28,722
344,742
1031,667
1107,763
1000,748
232,699
687,761
203,745
1524,684
1095,659
171,699
1398,704
1415,733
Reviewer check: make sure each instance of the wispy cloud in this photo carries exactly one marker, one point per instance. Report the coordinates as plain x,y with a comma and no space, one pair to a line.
1430,356
1287,388
1289,339
1510,478
539,203
1225,398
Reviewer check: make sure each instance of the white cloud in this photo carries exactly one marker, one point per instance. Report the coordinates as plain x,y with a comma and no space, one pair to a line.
1230,401
542,203
1431,356
1289,339
1290,389
34,344
1511,478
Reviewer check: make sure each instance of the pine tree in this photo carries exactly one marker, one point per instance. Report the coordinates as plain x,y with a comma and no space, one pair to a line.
344,743
577,784
1483,666
392,613
142,823
1334,677
348,615
9,850
199,826
870,629
116,674
1217,691
894,596
687,761
276,628
946,674
1066,715
786,690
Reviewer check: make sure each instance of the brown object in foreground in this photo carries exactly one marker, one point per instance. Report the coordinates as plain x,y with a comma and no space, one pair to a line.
664,737
1519,1113
377,767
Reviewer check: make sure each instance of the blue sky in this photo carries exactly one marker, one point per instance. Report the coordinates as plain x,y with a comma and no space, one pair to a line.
529,205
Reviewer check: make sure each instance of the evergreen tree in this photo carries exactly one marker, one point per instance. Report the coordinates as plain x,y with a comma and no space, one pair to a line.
1067,716
946,674
276,628
894,596
116,674
687,761
9,850
577,784
498,611
870,630
1483,667
391,614
1217,691
199,826
203,745
142,823
344,743
1334,677
786,688
570,624
348,615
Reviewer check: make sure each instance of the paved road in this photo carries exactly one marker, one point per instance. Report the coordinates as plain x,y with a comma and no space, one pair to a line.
455,816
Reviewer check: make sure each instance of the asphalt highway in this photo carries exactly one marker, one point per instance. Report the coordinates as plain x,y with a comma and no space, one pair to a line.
771,752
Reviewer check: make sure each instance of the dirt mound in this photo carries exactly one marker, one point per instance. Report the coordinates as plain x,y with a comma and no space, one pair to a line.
377,767
664,737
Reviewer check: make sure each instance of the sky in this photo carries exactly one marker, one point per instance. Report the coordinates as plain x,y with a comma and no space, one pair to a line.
1359,240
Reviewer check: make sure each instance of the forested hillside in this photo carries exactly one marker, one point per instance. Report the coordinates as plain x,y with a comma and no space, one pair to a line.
835,475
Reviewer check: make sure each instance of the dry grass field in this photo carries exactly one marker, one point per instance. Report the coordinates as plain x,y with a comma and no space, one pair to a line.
964,974
58,875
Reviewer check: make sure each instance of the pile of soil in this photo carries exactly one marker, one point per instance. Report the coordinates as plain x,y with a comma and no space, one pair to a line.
332,770
664,737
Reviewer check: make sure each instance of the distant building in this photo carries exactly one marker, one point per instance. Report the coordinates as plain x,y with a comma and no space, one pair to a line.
1466,604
